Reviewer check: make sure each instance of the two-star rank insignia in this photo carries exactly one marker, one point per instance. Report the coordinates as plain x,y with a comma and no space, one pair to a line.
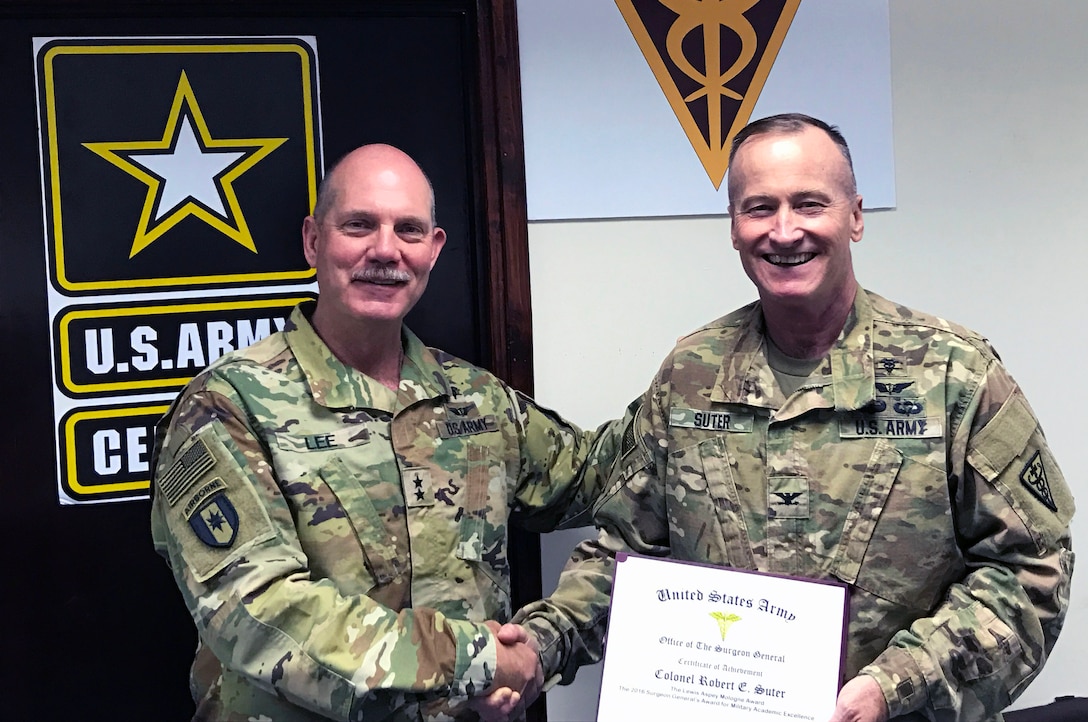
711,59
418,490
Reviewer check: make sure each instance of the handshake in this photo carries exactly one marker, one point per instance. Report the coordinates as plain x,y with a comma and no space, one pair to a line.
519,676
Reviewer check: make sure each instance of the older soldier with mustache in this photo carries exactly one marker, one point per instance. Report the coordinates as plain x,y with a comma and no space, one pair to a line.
334,500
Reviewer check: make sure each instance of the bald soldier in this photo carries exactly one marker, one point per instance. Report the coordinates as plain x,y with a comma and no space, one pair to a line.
334,500
826,432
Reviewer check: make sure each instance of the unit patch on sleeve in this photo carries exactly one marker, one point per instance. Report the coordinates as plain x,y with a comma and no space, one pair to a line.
1033,476
216,521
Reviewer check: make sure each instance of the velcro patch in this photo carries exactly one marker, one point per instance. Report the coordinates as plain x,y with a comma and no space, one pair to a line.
222,516
216,522
710,420
901,427
451,428
787,497
1033,477
462,410
185,471
346,437
418,490
893,386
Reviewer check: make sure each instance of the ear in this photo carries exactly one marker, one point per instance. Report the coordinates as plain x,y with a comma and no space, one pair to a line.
733,227
309,240
857,225
438,241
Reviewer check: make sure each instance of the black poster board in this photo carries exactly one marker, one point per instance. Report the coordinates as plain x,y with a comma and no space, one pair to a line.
95,628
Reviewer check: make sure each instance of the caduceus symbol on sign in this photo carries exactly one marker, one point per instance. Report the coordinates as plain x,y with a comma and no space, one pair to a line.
711,14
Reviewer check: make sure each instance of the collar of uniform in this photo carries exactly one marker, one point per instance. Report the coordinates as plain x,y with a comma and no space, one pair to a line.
337,386
852,367
745,376
421,376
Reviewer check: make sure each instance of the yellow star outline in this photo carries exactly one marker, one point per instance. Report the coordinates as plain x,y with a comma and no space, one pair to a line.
255,150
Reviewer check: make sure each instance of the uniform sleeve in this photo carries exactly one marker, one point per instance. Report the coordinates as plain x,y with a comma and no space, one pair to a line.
570,625
994,630
219,518
562,468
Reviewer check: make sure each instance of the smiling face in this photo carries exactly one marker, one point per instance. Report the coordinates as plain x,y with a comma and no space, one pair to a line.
373,242
794,214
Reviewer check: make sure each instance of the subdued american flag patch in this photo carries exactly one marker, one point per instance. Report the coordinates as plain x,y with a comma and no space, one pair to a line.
186,469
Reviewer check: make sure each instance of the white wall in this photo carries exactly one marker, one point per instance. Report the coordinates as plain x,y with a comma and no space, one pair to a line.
991,230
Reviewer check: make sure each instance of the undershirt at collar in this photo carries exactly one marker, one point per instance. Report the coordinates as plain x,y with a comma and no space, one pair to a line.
790,373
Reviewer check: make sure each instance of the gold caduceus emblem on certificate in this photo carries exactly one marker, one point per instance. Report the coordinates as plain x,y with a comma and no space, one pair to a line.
711,59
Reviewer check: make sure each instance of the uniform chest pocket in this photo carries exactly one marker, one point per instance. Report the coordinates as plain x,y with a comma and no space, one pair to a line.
341,530
898,541
702,495
459,540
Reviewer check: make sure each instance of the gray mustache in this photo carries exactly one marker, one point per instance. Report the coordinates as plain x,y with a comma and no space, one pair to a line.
381,274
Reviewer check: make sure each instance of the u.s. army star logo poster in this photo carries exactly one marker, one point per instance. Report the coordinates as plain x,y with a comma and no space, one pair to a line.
175,176
176,163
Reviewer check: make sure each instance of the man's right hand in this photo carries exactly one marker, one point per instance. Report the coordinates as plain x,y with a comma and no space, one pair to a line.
519,677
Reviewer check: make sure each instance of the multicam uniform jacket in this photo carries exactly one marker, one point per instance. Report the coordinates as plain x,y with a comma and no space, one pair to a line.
910,467
339,544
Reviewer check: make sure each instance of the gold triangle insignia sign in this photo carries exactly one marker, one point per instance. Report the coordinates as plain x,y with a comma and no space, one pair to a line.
711,58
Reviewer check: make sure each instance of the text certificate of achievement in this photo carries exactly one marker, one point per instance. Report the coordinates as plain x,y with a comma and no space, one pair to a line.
697,642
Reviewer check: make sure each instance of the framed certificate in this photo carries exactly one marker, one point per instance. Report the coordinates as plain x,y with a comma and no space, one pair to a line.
701,642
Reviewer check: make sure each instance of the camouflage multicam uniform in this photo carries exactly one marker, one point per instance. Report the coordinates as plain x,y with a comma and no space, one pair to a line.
339,544
910,467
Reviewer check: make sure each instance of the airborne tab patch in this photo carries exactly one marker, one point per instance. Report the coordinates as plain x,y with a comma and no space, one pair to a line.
1033,476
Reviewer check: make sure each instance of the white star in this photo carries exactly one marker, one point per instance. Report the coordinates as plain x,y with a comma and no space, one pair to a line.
188,174
188,171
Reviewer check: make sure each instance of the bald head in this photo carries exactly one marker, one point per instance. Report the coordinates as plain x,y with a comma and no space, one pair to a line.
375,159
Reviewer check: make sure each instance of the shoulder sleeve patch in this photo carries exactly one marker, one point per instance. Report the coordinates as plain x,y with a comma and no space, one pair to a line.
1012,454
1033,477
216,514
